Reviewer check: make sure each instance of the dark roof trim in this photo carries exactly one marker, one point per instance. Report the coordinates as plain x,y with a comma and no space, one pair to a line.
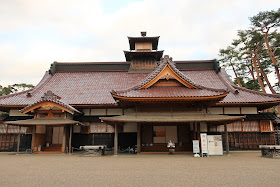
130,55
89,67
261,116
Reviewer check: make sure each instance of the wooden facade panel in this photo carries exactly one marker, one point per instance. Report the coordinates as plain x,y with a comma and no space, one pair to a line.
249,141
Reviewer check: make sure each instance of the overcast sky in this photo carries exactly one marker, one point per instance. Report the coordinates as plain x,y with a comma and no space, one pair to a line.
35,33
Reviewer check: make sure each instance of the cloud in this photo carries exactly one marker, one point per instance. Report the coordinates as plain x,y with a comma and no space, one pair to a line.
35,33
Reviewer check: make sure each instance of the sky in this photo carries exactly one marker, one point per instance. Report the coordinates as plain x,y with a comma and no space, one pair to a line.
34,34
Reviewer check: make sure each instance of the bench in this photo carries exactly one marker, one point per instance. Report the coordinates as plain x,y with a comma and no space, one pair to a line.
94,149
270,151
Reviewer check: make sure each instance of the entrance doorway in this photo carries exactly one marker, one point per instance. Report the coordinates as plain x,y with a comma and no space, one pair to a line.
57,135
154,138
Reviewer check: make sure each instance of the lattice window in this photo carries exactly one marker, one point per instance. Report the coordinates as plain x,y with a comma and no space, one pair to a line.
266,126
220,128
250,126
101,128
3,128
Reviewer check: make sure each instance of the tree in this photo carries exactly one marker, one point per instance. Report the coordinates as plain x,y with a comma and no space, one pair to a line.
253,56
14,88
265,22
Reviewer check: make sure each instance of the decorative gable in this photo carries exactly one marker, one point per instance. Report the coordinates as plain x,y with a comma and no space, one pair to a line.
50,102
167,73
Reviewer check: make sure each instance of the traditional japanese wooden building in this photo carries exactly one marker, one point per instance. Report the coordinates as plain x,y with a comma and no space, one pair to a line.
145,101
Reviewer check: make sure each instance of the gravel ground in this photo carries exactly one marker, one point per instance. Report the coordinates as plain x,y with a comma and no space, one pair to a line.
239,169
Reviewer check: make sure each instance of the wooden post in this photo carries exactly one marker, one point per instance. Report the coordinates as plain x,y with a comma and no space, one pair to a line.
33,138
227,143
198,131
138,138
70,138
18,141
63,148
116,140
198,136
193,131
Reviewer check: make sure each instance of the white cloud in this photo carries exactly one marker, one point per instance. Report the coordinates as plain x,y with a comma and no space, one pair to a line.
35,33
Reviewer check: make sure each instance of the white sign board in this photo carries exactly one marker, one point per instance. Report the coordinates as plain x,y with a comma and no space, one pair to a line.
204,143
215,145
196,146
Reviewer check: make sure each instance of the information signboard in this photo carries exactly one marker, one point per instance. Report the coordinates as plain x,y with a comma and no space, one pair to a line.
196,146
204,143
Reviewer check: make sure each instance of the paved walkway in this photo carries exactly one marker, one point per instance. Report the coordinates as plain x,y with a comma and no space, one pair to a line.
239,169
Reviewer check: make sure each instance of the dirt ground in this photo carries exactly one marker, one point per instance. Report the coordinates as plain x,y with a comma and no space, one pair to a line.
239,169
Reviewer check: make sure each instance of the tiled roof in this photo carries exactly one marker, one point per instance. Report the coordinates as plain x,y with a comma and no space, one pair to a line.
94,88
78,88
135,91
168,92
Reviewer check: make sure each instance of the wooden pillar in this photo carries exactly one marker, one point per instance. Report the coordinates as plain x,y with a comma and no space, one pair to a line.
194,137
116,140
18,141
138,138
70,138
227,143
198,131
64,140
33,138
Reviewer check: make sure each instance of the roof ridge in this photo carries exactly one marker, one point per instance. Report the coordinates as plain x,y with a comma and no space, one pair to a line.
229,86
14,94
85,63
43,82
257,92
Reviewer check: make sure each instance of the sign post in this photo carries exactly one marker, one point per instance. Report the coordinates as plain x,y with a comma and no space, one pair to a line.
204,144
196,150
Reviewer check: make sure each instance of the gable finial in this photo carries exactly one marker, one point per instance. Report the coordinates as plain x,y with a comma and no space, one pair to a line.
49,95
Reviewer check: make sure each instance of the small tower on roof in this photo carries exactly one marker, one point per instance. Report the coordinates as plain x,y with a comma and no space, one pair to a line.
143,53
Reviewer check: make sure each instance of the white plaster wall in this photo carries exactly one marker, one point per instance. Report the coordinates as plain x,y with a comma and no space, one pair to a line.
232,110
128,111
130,127
114,111
203,127
98,112
215,110
16,113
86,112
249,110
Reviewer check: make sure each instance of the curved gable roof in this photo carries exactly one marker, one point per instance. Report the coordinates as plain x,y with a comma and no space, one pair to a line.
50,98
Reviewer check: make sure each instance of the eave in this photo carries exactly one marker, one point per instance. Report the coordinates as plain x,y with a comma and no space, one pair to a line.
168,99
